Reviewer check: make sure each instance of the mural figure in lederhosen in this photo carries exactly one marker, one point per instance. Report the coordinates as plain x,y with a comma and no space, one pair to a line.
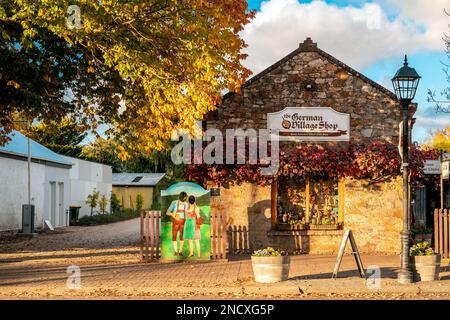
177,210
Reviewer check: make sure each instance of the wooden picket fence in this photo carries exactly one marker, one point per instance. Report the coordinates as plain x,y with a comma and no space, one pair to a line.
441,232
218,236
238,240
151,236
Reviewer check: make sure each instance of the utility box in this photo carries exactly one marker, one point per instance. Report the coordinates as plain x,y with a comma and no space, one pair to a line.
74,212
27,219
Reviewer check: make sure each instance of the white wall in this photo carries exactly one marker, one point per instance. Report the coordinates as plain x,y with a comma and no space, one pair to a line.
13,192
85,176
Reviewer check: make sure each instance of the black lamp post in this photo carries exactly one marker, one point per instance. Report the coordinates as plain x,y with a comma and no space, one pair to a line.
405,82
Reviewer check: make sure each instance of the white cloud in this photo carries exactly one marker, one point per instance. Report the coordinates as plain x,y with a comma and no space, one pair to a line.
358,36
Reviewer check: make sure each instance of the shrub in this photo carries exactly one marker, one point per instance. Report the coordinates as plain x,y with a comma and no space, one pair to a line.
107,218
139,202
422,230
92,200
115,203
155,206
103,204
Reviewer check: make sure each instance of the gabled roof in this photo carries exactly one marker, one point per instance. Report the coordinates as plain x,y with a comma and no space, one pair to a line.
18,147
309,46
136,179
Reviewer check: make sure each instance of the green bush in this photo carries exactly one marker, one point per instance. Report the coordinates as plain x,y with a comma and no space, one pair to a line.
92,200
421,230
103,204
155,206
115,203
139,202
107,218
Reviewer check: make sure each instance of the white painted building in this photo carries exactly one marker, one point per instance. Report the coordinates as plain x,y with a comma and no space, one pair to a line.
85,176
50,184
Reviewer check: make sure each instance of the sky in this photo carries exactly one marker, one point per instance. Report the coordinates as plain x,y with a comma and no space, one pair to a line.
369,36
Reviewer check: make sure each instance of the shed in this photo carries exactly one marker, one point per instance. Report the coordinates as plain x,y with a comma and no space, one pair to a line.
128,185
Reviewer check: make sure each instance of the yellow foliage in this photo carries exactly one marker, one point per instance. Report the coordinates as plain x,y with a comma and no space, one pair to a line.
440,140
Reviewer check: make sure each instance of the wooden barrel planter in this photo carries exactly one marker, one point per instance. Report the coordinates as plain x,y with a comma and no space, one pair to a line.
270,269
426,268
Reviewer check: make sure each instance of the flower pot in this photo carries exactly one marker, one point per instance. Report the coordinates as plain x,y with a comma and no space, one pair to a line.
270,269
426,268
427,237
418,237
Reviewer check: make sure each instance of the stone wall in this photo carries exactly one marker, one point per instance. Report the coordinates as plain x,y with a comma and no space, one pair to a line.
372,211
246,206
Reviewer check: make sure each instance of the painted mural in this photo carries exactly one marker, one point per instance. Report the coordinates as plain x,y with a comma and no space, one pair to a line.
185,222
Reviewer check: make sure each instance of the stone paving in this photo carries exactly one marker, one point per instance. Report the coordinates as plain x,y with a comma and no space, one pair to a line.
30,269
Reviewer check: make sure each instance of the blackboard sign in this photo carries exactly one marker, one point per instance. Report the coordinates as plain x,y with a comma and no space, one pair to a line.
215,192
348,235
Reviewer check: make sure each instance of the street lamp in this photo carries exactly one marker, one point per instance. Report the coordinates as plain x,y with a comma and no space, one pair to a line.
405,82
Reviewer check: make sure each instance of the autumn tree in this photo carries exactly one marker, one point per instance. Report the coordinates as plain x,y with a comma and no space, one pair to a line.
63,136
92,200
103,203
144,67
440,140
106,151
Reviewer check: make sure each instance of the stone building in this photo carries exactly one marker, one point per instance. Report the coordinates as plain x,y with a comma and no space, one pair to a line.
310,78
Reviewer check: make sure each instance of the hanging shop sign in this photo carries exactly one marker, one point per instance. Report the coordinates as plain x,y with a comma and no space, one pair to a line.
432,167
309,124
445,169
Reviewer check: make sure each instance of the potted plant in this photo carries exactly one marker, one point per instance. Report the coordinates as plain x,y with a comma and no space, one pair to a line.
422,234
425,263
270,265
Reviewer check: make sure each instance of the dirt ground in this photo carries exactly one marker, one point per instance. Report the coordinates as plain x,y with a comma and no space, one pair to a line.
110,268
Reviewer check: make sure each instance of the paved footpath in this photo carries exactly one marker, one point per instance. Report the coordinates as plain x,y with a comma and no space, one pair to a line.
108,257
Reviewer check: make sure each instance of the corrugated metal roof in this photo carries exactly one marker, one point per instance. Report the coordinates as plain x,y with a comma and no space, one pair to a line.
18,145
126,179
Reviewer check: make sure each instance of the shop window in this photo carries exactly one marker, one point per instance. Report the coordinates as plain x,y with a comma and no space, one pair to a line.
324,202
291,204
308,203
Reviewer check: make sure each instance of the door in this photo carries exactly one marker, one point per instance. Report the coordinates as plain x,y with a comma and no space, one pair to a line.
53,203
61,204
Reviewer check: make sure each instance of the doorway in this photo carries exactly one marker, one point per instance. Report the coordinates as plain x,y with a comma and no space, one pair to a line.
53,203
61,204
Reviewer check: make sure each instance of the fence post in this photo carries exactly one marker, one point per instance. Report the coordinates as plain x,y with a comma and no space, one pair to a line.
445,213
441,231
158,233
224,241
436,231
141,239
